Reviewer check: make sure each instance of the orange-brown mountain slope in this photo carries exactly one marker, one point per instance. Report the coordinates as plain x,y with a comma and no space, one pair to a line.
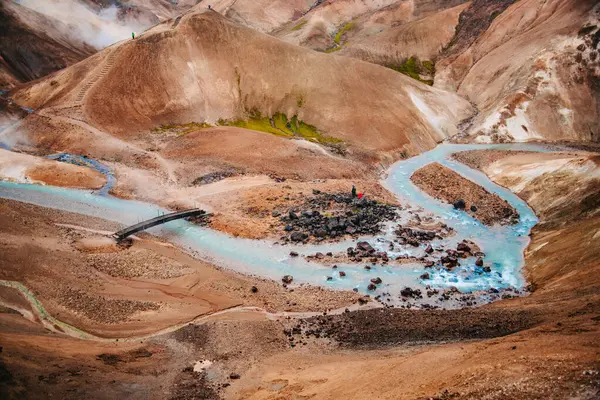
531,67
205,68
33,46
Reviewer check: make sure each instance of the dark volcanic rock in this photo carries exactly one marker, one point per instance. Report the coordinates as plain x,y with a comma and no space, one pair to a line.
459,204
298,236
365,246
287,279
215,177
350,216
462,246
409,292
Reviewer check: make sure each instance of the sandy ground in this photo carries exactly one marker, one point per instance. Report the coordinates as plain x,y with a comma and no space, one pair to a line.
117,292
447,185
24,168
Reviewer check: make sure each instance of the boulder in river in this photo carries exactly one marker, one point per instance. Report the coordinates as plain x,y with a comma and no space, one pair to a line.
320,233
479,262
376,281
409,292
365,246
462,246
460,204
287,279
298,236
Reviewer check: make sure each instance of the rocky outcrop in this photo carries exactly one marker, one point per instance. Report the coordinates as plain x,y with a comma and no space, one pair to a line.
333,215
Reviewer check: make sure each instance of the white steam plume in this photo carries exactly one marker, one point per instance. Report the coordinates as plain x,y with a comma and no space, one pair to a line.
98,29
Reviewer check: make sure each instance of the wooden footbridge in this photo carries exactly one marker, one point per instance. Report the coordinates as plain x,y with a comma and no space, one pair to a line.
122,234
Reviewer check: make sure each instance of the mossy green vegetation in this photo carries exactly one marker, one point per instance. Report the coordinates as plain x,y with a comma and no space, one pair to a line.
429,66
299,26
415,68
333,49
181,129
280,125
346,28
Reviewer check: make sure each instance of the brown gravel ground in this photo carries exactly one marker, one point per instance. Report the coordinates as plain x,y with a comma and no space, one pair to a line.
445,184
102,309
49,261
247,213
542,346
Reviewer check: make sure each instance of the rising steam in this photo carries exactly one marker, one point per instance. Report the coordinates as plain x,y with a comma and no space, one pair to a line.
98,29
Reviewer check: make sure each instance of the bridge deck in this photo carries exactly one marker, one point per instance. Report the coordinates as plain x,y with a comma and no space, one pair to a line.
122,234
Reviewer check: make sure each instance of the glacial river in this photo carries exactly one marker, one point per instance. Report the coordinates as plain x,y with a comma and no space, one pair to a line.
503,245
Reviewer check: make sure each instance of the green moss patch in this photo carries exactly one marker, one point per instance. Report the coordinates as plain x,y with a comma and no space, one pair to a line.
346,28
415,68
299,26
333,49
280,125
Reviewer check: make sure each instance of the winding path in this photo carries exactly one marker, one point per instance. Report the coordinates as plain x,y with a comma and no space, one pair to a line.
57,326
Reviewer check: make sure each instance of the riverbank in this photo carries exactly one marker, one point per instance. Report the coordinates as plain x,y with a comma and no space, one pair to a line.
149,281
255,355
446,185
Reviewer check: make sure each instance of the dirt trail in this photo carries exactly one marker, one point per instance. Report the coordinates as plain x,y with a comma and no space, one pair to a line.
98,75
40,314
108,139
